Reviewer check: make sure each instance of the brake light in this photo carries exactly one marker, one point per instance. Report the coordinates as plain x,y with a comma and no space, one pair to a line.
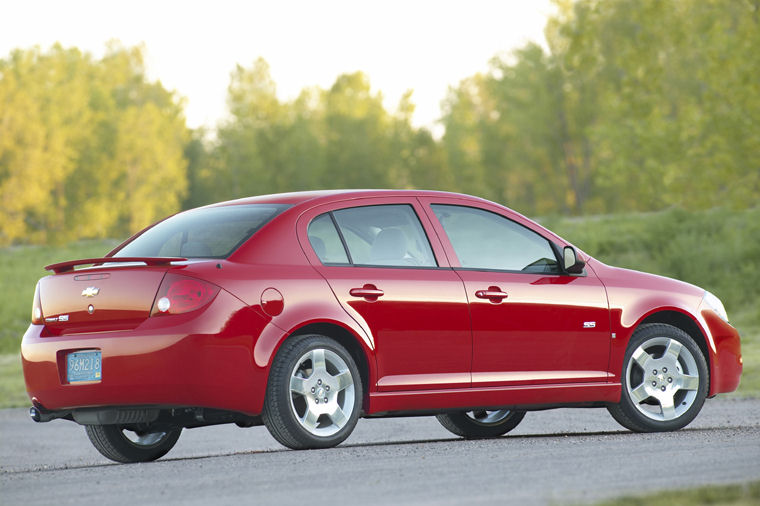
181,294
37,317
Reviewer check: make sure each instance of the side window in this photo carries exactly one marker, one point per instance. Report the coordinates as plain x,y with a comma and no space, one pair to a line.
486,240
385,235
326,241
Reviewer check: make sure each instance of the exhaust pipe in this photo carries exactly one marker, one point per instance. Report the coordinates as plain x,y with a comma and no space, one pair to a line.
42,415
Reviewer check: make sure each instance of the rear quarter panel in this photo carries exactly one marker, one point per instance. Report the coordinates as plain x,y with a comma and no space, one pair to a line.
270,266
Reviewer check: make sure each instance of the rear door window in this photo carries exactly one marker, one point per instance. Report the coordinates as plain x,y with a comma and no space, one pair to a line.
382,235
326,242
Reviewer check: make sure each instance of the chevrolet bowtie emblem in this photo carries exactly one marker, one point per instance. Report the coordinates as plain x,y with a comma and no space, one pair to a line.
90,291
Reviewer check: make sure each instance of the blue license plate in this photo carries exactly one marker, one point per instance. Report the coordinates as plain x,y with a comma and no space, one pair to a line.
83,366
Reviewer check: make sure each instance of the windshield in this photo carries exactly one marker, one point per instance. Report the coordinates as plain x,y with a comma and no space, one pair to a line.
212,232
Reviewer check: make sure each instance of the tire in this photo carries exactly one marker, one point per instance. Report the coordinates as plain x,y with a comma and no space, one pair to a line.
314,394
664,380
481,423
119,444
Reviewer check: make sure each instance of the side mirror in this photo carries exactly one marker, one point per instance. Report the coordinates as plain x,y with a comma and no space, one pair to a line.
572,263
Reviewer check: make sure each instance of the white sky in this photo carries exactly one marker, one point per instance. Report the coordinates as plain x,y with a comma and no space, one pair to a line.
193,46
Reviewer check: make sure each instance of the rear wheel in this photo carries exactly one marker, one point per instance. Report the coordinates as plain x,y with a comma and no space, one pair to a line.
314,394
664,380
481,423
122,444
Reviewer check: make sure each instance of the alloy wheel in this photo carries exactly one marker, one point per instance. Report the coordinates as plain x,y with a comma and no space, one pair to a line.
486,417
662,379
322,392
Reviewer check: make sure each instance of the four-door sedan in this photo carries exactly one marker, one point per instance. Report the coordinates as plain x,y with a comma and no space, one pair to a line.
306,311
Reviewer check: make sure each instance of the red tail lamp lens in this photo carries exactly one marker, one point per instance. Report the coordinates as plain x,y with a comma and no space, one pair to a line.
181,294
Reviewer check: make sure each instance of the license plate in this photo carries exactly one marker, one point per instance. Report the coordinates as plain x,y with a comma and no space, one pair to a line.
83,366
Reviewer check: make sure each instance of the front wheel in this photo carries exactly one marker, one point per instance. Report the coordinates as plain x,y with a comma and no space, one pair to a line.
481,423
664,380
133,444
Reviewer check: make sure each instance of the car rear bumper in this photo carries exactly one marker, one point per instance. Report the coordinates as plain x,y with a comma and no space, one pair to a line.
203,358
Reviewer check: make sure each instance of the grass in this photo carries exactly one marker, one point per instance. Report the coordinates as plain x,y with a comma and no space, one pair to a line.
718,250
12,389
20,268
723,495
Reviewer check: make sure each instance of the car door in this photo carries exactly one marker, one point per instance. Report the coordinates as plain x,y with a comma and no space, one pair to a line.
531,323
395,282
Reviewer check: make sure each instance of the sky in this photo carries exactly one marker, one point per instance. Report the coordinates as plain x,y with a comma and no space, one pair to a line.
192,46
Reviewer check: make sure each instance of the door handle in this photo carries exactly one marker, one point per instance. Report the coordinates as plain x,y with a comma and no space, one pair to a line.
369,292
494,294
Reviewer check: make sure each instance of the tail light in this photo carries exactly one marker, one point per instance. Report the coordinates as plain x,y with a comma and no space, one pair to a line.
37,317
181,294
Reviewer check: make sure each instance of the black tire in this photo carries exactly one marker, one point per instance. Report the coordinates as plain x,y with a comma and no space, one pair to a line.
113,443
298,418
656,396
480,423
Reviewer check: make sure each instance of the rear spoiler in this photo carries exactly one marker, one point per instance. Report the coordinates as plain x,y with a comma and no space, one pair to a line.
62,267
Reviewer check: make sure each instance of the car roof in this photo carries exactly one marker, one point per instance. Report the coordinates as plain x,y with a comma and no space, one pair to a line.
299,201
322,196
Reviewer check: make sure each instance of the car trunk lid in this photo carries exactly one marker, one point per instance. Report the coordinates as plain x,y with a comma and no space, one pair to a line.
107,297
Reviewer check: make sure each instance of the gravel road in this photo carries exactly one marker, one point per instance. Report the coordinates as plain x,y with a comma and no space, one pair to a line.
561,456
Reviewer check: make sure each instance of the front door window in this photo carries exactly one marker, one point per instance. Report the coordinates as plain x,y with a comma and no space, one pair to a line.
485,240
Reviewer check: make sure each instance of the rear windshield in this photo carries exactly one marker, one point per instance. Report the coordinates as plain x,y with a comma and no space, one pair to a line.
213,232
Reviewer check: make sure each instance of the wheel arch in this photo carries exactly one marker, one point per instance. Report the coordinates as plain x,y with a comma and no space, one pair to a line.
628,411
667,314
349,341
681,321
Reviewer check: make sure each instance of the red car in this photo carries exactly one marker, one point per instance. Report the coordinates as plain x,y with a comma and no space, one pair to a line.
306,311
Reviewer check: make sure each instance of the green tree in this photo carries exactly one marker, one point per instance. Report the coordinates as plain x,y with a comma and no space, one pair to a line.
638,105
249,140
87,148
672,108
357,127
465,118
342,137
44,123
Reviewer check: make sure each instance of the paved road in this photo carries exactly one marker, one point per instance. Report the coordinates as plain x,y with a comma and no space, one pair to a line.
554,457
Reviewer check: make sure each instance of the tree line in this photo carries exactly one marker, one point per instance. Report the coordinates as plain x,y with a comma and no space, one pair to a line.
636,105
88,148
